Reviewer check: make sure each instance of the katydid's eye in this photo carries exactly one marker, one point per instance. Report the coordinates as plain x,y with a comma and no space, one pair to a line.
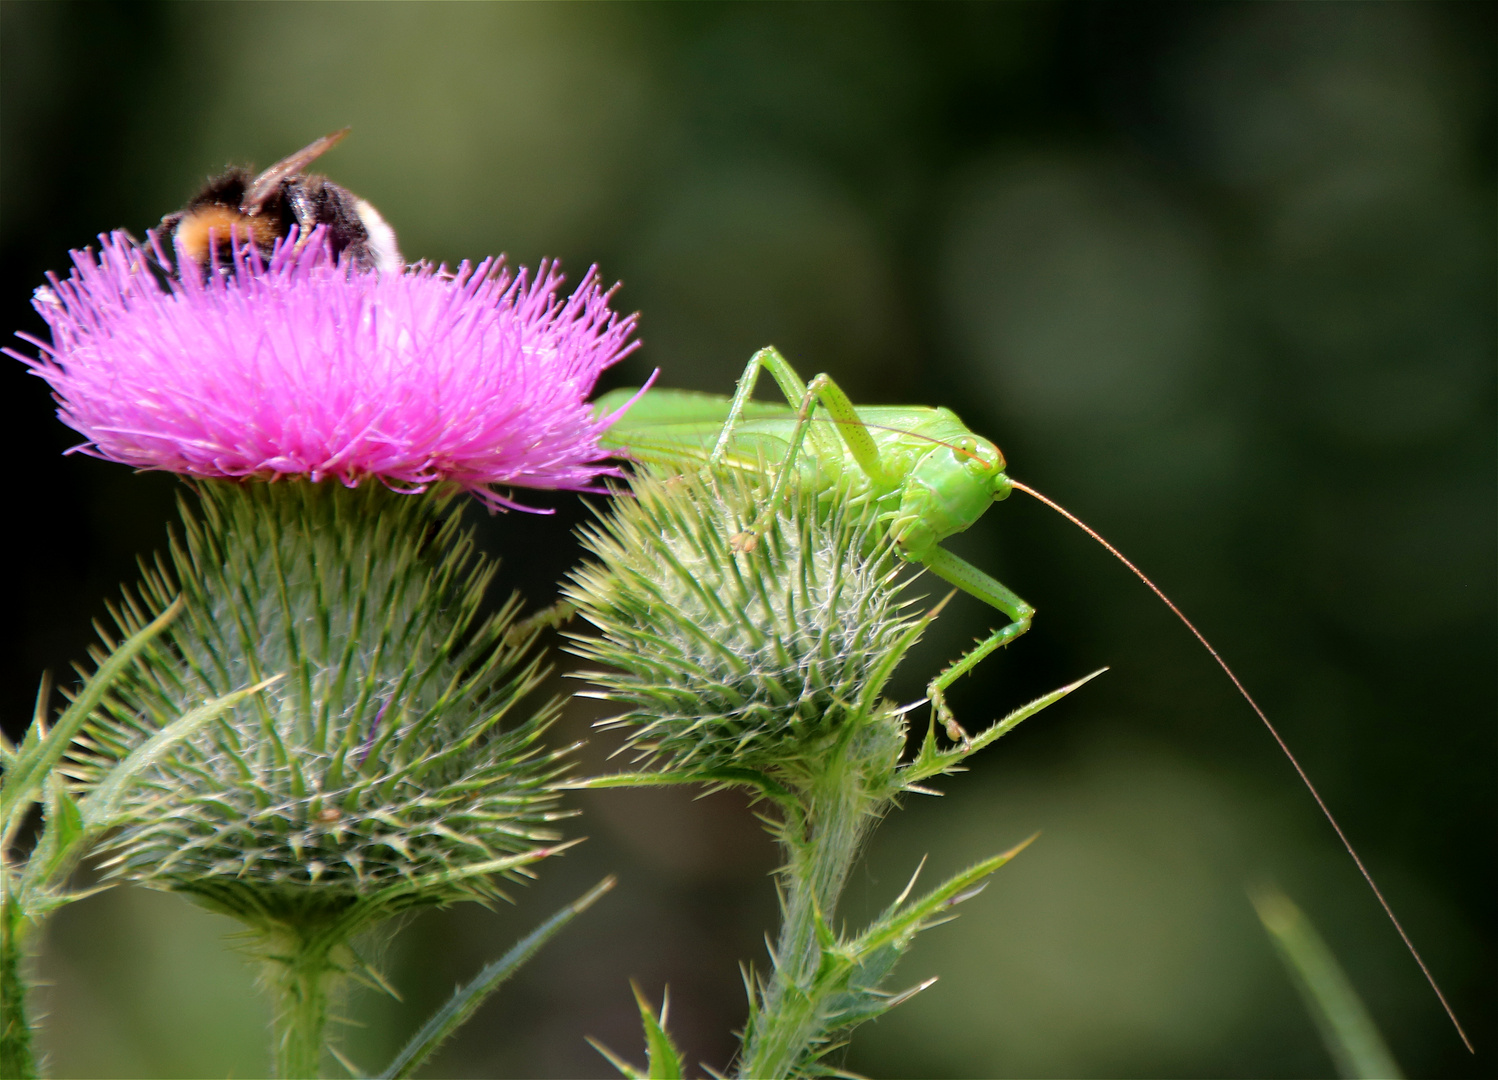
978,457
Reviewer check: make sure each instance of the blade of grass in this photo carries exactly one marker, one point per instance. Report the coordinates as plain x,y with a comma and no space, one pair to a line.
1346,1028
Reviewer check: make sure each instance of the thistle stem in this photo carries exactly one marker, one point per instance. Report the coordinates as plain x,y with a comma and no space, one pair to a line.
16,1058
300,977
839,809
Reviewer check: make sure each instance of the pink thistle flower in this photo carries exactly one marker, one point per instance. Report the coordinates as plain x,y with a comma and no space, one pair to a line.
300,366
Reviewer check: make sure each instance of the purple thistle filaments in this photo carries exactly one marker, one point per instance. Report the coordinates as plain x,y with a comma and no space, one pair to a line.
302,367
392,756
380,746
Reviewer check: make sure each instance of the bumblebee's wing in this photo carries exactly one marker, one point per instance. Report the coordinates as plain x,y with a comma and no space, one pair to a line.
265,185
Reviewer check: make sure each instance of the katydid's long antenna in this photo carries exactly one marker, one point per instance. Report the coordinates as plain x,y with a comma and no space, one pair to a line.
1346,843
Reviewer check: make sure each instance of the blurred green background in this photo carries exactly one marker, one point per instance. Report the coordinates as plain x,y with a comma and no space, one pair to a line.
1219,278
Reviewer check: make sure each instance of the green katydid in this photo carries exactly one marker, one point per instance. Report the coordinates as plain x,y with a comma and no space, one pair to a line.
936,477
932,477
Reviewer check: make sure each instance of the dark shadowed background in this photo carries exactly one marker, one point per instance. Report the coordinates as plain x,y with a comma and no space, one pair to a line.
1219,278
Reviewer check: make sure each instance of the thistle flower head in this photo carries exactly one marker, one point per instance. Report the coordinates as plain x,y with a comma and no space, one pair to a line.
728,658
386,767
301,366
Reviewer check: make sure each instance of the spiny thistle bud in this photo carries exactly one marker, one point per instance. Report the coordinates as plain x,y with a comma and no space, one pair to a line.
726,657
374,774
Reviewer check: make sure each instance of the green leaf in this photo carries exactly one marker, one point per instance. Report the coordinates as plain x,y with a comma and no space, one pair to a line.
627,1070
480,869
38,727
64,819
1347,1031
37,757
62,830
725,776
70,824
932,761
899,923
877,678
662,1057
852,973
466,999
663,1060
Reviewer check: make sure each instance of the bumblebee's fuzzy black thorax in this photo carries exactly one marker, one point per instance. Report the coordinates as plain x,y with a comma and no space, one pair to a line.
240,206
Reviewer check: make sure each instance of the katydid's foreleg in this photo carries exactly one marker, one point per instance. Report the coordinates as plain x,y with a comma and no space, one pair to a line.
970,579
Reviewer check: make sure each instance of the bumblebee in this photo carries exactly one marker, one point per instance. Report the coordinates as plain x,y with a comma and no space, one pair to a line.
262,209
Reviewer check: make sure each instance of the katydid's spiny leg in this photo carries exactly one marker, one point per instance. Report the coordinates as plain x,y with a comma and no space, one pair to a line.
848,428
991,591
785,377
748,539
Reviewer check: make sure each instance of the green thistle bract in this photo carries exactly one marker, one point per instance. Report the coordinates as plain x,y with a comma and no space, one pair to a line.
730,658
374,775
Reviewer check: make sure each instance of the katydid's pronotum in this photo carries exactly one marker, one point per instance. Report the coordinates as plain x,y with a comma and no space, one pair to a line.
929,475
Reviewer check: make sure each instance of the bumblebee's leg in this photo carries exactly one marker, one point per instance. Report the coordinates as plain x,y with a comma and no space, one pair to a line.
975,582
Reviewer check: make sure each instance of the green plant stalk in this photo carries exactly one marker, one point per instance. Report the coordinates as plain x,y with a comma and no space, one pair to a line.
16,1058
839,810
301,974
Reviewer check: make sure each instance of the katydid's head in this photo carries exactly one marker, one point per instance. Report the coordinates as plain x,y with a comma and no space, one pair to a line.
983,462
950,488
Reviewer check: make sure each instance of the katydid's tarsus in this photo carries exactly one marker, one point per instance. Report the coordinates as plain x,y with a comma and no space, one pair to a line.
930,476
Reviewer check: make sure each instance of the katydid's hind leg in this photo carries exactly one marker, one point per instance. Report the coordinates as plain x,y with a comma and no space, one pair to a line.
766,359
991,591
749,538
848,432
